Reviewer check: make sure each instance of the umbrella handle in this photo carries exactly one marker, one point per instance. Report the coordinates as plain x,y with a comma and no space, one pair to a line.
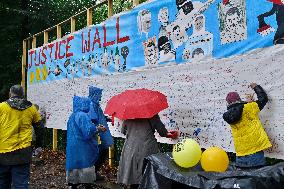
112,119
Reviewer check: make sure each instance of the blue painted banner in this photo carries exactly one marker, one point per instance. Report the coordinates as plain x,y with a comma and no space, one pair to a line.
158,33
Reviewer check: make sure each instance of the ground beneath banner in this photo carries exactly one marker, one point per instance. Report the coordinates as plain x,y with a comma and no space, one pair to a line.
48,172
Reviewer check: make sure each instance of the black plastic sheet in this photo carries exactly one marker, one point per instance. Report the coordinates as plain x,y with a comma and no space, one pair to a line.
161,172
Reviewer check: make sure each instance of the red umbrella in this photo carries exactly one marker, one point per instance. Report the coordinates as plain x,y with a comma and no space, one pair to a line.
279,2
138,103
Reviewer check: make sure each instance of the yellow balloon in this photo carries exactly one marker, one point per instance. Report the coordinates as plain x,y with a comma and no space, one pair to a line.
214,159
187,153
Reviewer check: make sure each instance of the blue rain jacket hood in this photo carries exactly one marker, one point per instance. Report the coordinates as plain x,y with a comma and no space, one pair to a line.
82,147
97,115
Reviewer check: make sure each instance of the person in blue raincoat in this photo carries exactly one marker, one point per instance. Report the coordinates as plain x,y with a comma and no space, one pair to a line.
97,116
82,148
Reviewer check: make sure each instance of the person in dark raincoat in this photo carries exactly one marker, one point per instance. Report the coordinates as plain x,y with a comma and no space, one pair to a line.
140,142
82,146
97,116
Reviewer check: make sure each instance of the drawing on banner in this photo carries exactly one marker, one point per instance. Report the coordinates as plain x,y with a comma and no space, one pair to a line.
72,69
105,61
37,74
111,59
200,43
232,20
165,51
150,52
31,77
187,12
163,18
44,72
144,22
117,60
90,64
66,63
124,53
265,29
57,71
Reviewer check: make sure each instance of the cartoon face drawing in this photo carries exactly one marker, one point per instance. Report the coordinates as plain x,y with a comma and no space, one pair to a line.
232,18
151,52
233,26
184,6
198,53
163,16
124,51
164,44
144,21
176,36
199,23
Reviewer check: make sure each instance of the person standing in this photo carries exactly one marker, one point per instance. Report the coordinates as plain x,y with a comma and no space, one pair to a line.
250,139
140,142
17,117
97,116
82,146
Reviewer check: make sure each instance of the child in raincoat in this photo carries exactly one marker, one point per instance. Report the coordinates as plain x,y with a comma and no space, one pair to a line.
97,116
82,147
249,137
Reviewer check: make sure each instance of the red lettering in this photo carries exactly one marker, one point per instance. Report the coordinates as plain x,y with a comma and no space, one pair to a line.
38,62
50,46
43,55
56,50
105,36
31,52
35,57
89,41
97,39
69,54
83,43
120,39
60,43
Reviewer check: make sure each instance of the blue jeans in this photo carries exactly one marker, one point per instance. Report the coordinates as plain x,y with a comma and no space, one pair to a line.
253,160
17,174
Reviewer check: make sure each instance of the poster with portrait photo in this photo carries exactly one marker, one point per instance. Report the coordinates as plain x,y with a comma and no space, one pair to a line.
232,21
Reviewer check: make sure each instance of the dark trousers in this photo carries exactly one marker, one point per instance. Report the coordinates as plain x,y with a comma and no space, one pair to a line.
39,132
17,174
103,156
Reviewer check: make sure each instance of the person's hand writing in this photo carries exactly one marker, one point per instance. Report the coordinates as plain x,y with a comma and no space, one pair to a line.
253,85
173,134
101,128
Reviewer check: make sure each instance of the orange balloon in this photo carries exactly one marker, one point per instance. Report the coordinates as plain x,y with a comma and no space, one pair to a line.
214,159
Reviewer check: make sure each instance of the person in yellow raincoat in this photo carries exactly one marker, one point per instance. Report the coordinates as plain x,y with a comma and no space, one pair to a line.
16,118
249,137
